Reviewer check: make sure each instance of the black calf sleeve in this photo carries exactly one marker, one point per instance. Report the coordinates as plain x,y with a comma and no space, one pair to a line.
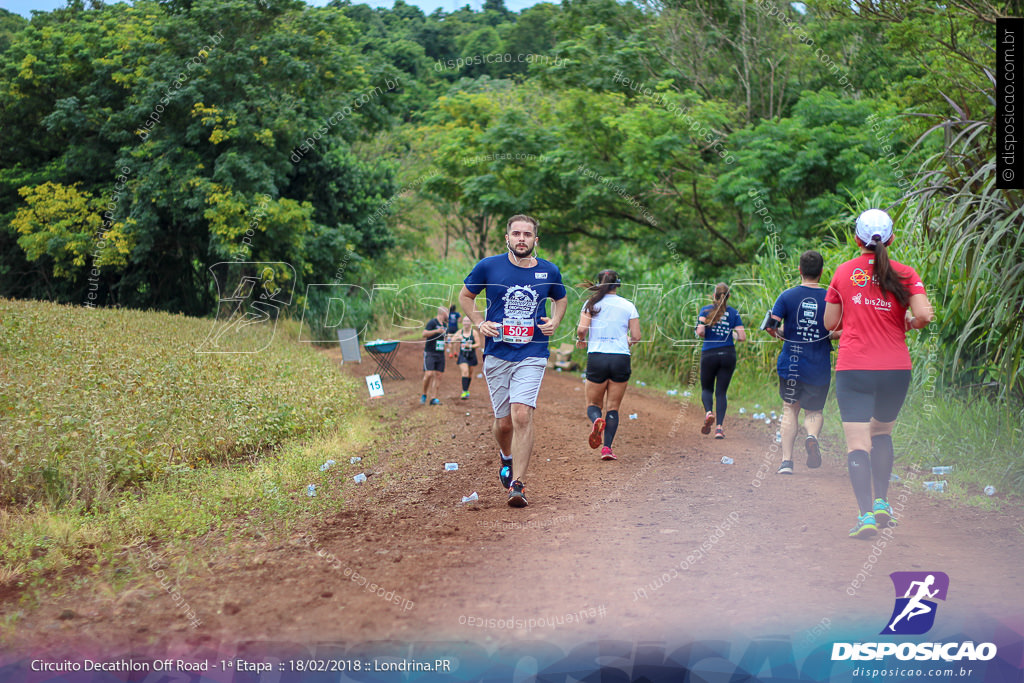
611,423
858,463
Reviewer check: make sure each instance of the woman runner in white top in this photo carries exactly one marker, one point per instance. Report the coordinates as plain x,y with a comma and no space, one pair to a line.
608,326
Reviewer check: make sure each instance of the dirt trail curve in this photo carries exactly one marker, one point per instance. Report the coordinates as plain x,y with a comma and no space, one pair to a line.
617,543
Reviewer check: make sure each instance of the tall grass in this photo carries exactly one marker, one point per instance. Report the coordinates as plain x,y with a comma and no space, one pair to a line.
96,403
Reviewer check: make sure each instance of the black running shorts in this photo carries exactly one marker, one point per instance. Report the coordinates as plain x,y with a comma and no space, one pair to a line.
866,394
602,367
433,361
809,396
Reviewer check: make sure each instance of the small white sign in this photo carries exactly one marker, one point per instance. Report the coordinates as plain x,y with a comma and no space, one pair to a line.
374,385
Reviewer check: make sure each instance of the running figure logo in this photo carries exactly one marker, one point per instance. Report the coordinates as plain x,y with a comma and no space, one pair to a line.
914,612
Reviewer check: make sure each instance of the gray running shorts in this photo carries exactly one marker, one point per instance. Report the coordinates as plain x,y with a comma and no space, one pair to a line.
509,382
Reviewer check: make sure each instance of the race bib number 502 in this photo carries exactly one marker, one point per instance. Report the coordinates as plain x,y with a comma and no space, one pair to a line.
516,330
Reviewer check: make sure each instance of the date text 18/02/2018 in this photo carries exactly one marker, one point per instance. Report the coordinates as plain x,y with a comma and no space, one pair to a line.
329,665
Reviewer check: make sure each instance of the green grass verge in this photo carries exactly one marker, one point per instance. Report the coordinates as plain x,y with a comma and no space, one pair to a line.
114,431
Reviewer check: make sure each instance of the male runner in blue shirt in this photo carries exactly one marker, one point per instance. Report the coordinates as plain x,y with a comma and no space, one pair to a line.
517,330
805,362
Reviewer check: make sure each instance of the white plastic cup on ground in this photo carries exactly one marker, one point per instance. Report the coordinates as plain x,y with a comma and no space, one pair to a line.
451,466
937,486
726,460
359,478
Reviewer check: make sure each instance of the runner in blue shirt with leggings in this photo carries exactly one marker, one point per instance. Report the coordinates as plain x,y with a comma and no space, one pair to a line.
717,323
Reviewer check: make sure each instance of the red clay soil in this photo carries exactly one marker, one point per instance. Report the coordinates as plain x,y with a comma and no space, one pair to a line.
604,549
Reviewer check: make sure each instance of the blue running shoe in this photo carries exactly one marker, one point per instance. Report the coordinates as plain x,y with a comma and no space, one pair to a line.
866,526
505,472
423,398
883,514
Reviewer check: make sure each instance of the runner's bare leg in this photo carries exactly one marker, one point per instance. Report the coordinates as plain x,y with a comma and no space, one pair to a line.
813,420
789,427
503,433
522,438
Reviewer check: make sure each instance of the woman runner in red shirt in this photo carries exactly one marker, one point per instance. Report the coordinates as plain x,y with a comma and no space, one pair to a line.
869,299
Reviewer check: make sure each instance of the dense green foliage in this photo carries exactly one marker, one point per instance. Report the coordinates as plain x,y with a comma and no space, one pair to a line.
143,144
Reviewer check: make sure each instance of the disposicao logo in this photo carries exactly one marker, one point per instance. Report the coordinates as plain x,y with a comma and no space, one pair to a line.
914,612
913,615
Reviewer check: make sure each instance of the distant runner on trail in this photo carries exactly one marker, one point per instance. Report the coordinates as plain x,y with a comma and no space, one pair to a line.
453,328
517,330
433,355
468,341
717,323
805,361
875,301
608,326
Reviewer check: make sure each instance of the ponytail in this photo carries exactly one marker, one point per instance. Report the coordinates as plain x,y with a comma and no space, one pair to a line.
607,282
721,299
889,281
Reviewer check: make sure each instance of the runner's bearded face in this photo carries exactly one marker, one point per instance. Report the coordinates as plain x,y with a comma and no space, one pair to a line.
521,239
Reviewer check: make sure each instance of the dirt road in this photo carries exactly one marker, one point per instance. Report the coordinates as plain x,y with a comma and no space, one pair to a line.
666,540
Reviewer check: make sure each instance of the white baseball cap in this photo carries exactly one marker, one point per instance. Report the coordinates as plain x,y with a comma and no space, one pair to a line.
874,226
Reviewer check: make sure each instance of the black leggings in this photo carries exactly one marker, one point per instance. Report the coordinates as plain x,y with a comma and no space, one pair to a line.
716,368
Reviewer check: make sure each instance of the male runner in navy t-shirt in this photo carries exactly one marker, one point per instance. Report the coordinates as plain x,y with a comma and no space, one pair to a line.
516,335
805,362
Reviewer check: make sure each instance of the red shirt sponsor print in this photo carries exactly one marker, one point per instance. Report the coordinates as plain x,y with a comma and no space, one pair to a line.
874,334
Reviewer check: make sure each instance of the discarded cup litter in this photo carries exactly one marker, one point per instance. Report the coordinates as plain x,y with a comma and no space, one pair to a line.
633,416
359,478
726,460
944,469
451,466
470,498
778,437
687,393
311,490
990,490
938,486
743,411
766,420
757,406
326,466
355,459
672,392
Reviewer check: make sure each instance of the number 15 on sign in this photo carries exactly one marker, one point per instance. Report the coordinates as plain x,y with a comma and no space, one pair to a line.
374,385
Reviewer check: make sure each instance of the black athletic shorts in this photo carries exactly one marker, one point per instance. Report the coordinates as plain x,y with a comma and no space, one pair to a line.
608,366
809,396
467,357
433,361
866,394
